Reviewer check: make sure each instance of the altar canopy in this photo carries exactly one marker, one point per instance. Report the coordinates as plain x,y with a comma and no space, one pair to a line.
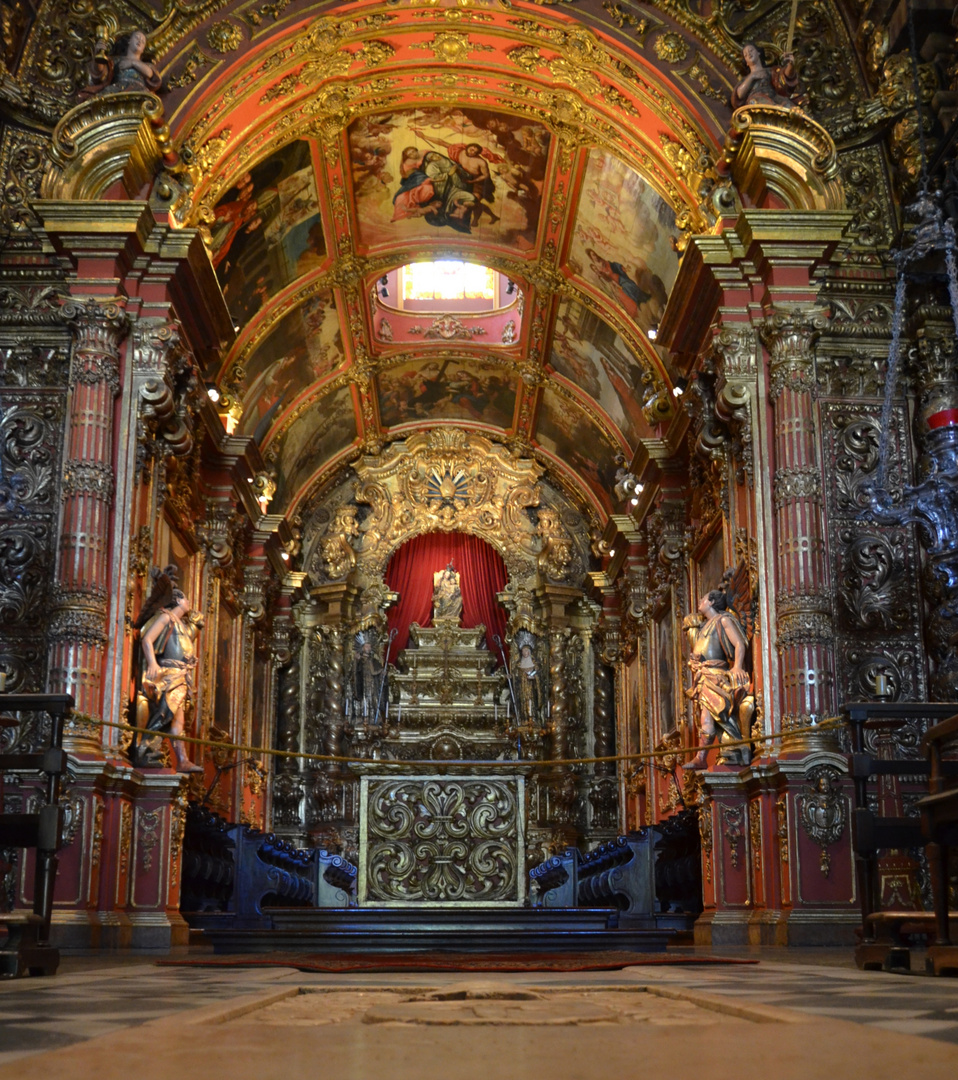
482,574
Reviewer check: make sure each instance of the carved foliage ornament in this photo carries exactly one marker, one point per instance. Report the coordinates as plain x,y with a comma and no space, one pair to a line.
823,810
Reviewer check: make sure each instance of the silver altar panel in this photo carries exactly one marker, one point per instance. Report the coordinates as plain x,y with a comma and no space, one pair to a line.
442,840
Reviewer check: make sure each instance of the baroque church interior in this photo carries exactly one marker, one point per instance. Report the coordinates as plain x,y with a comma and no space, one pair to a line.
477,478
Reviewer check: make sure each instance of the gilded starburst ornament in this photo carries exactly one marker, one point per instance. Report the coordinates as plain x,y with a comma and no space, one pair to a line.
224,36
671,47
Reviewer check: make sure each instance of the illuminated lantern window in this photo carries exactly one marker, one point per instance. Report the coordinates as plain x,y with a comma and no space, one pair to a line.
448,280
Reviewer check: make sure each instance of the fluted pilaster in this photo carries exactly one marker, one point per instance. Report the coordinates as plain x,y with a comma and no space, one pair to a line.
77,632
803,606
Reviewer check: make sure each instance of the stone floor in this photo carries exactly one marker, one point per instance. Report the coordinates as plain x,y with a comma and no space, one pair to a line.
104,1016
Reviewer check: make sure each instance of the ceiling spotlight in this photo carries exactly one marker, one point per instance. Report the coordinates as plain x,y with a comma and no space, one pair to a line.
212,392
249,479
653,333
679,388
634,501
384,286
612,553
284,555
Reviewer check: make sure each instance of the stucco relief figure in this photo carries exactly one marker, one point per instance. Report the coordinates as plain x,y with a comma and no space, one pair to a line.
168,632
720,682
528,683
124,69
446,594
768,85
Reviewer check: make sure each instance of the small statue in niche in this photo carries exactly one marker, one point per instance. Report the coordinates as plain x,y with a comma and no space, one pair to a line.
124,67
367,678
446,594
764,85
721,684
527,681
168,631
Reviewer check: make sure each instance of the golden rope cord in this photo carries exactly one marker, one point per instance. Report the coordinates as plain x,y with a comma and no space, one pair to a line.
826,724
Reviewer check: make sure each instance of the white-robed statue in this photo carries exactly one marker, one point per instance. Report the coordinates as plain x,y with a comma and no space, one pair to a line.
446,594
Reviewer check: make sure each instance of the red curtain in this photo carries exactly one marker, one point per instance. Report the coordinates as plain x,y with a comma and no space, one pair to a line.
482,574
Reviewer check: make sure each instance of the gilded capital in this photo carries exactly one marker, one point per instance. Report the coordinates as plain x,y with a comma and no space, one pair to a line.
98,329
790,339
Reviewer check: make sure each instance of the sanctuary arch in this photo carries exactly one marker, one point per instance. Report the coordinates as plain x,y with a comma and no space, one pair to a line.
211,385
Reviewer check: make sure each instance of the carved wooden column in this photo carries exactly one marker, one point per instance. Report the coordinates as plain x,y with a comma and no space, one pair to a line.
78,627
335,718
803,601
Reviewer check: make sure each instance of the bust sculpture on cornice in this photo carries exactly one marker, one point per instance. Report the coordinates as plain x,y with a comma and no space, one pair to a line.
777,84
123,68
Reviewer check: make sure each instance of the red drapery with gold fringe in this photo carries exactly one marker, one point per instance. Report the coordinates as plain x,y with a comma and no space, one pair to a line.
482,574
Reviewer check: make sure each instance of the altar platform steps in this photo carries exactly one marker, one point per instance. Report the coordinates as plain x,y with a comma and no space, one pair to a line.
423,929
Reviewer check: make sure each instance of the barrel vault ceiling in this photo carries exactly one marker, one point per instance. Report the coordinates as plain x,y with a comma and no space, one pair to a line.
325,145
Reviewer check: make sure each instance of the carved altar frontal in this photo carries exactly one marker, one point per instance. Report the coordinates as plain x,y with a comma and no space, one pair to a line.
442,839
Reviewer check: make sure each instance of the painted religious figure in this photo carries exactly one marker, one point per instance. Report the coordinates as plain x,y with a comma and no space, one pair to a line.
446,594
168,631
720,683
765,85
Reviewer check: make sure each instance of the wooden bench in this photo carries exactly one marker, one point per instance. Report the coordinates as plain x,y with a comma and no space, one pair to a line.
939,822
27,949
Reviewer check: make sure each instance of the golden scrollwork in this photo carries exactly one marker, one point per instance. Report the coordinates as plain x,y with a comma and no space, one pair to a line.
450,480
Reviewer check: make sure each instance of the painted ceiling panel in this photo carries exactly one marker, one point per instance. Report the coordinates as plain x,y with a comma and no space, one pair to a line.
267,230
565,431
594,358
305,347
622,241
461,389
441,174
324,430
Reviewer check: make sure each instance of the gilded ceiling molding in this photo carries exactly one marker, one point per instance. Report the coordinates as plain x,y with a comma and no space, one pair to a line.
567,115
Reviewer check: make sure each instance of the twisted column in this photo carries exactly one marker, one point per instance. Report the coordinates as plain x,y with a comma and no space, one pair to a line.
335,668
77,632
559,694
803,606
603,719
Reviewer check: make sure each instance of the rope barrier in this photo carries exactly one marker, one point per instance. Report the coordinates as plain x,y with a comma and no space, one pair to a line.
830,723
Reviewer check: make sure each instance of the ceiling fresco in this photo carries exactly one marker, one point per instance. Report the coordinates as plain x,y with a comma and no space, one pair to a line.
266,230
327,149
588,352
576,441
448,173
325,430
304,347
470,390
623,239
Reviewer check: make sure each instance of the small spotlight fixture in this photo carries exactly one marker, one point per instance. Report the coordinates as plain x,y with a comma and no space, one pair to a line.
612,553
249,479
284,555
384,286
652,332
510,286
634,501
212,393
679,388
